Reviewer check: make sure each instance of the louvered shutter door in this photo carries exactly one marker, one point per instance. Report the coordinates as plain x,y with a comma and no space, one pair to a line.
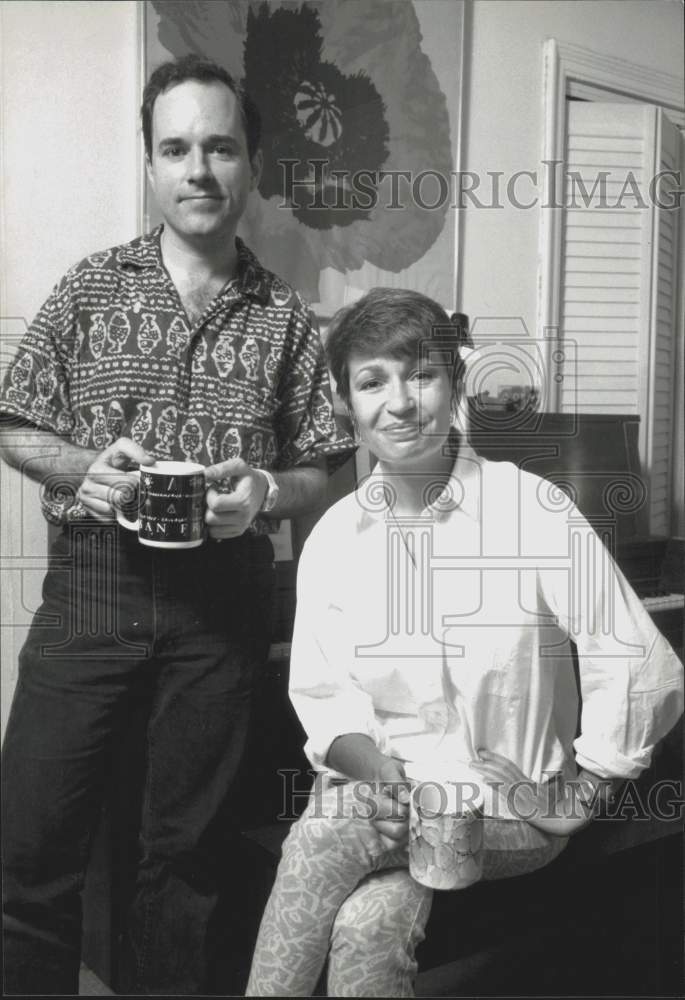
618,267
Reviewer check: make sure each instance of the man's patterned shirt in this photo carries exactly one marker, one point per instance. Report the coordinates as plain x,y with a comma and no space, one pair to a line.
112,353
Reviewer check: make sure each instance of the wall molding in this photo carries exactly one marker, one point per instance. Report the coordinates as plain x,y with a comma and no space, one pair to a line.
575,62
142,221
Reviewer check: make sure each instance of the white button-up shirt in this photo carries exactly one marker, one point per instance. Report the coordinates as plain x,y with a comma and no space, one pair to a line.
448,632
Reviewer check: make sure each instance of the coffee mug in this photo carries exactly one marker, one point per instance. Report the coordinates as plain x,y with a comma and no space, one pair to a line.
445,831
171,506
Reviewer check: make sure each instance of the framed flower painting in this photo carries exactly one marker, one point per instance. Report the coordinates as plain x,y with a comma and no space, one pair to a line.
361,108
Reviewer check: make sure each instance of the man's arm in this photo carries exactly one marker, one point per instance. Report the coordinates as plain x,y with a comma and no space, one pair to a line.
46,455
301,489
94,478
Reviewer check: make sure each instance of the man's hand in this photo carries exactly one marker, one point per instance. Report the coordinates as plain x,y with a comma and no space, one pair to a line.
561,814
107,484
230,514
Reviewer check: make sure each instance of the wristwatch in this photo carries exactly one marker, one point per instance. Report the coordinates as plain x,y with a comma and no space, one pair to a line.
271,495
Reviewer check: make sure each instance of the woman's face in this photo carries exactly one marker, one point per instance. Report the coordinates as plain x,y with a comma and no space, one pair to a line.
402,407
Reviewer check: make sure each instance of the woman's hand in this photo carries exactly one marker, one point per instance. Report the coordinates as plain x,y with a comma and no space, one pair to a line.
382,782
391,801
563,813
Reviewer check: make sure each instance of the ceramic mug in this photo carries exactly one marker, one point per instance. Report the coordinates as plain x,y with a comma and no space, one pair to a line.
445,832
171,505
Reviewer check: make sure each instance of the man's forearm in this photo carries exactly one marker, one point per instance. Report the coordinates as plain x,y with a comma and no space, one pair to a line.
300,490
42,455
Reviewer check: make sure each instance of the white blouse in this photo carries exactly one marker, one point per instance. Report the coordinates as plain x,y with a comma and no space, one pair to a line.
448,632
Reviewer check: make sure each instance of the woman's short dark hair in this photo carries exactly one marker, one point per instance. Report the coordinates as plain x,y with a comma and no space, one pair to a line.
194,67
393,323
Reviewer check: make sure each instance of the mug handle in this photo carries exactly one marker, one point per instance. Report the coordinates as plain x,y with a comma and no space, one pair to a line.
124,521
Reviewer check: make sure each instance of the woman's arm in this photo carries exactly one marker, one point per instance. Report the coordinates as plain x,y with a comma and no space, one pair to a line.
631,680
562,814
338,716
358,757
329,701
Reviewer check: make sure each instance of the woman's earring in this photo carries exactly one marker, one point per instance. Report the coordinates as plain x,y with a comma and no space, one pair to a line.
356,433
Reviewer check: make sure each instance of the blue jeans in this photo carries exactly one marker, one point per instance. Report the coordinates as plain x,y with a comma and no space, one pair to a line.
194,625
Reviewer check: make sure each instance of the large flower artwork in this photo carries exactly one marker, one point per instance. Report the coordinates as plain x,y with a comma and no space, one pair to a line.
352,114
322,128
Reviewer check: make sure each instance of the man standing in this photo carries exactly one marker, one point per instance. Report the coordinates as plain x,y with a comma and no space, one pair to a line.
178,345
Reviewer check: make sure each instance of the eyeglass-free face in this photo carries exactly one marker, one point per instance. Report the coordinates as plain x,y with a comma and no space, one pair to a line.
402,408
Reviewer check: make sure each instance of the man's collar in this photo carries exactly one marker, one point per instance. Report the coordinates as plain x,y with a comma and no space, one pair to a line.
461,492
251,278
143,252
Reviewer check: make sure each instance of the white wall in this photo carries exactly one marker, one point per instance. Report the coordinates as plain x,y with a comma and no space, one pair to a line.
70,104
68,186
503,119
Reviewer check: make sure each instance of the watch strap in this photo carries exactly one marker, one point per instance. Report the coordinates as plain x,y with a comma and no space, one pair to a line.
272,492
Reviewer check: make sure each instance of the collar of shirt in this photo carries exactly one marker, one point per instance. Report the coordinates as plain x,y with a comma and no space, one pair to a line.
461,492
251,279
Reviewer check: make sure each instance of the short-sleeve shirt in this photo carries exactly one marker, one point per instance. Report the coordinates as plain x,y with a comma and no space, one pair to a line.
113,353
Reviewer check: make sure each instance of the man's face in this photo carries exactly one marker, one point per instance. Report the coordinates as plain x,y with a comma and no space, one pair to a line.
200,170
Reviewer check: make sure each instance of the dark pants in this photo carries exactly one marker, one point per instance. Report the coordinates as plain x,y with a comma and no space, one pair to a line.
116,616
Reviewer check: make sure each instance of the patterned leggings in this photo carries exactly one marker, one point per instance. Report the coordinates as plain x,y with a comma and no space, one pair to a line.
341,894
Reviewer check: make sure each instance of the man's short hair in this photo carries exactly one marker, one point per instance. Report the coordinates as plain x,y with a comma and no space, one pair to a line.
393,323
194,67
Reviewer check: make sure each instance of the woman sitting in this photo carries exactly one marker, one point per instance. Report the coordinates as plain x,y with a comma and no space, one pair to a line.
435,607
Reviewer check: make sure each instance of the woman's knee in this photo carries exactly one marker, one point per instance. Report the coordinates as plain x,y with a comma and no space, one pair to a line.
391,901
375,936
333,821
